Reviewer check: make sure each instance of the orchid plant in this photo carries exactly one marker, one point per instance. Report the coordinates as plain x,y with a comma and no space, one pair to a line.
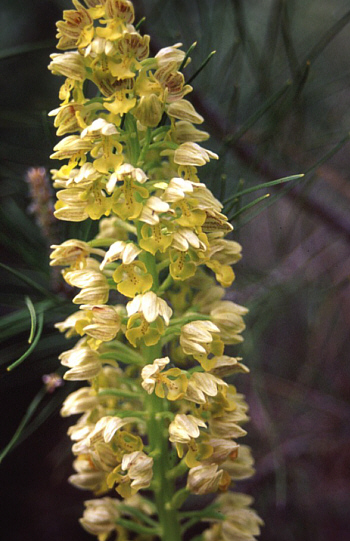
159,422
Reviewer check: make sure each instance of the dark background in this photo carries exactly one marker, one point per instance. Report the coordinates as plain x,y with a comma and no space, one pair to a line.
294,276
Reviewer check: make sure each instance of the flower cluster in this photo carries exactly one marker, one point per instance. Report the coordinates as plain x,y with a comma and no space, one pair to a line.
152,322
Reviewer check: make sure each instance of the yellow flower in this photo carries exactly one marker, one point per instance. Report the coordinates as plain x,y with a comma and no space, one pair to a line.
104,324
184,110
223,449
70,64
74,323
150,306
88,477
126,251
131,276
185,132
184,428
206,478
80,401
72,252
100,517
66,119
71,147
172,81
147,315
240,521
181,266
202,385
228,317
226,427
185,433
126,200
149,110
155,238
153,207
201,338
84,363
120,9
132,279
242,465
226,366
223,273
171,384
139,469
187,251
76,29
121,103
131,49
170,55
223,253
193,154
95,289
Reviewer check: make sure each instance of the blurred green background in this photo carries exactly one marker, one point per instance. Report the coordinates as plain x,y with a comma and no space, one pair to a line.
276,98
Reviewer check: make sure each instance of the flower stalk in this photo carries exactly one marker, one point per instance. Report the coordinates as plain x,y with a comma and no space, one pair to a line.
153,429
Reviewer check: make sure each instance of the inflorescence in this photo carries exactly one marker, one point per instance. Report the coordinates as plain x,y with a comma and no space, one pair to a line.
158,420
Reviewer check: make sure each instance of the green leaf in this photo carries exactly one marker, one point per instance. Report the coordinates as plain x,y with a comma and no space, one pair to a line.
263,185
32,346
247,207
28,281
141,21
201,67
29,413
329,154
186,57
258,114
32,319
327,37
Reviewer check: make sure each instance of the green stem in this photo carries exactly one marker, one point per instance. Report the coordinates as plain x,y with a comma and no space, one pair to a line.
123,356
106,242
137,513
164,144
133,142
190,317
166,284
163,487
118,392
178,470
128,413
138,528
158,443
179,498
163,265
145,147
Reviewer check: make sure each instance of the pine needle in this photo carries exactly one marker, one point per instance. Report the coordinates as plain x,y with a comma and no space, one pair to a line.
32,319
32,346
30,411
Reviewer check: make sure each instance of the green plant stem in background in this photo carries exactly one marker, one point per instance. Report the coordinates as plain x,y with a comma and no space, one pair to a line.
32,346
29,413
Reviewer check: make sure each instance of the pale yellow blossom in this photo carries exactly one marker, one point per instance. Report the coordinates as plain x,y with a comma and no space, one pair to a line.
207,478
184,428
193,154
